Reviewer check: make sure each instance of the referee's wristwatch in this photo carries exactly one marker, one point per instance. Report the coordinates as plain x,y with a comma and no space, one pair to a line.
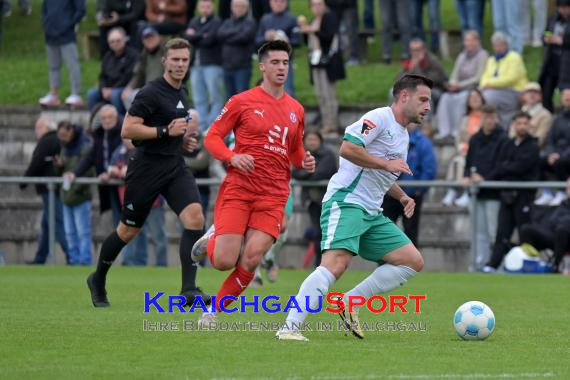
162,132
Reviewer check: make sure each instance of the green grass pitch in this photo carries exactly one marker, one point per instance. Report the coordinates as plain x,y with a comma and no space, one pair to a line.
49,330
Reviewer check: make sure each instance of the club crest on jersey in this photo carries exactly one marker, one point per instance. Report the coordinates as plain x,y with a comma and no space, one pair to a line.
293,117
367,126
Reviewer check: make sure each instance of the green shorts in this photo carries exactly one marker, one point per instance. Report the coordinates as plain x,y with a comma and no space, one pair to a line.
349,226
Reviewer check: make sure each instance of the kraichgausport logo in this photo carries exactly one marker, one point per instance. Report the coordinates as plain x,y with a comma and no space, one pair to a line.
367,126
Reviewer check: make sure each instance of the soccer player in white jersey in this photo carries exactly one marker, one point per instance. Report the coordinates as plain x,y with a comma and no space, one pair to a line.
373,154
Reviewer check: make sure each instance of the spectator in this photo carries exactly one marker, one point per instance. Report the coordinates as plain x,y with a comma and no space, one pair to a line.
325,60
555,160
401,8
556,59
470,124
368,16
422,162
116,72
427,64
207,73
6,7
258,9
198,161
465,76
540,117
106,138
46,150
280,24
346,12
136,251
518,161
471,15
503,78
484,150
237,35
76,198
313,196
533,36
416,12
554,234
59,21
148,67
167,16
507,16
113,13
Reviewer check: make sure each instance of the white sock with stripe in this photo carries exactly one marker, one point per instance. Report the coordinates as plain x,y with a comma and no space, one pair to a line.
314,286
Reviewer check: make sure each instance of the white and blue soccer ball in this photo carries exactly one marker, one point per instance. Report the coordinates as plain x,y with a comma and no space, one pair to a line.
474,321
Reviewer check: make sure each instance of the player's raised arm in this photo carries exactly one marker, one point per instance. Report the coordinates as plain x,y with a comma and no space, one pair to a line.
135,129
222,126
297,154
358,155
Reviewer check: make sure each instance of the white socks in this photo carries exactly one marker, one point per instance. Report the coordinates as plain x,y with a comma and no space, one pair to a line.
317,284
385,278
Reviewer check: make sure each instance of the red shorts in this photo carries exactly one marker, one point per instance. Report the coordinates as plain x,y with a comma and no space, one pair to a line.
236,210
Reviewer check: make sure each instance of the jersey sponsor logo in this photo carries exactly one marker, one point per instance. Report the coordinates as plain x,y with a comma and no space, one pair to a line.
258,112
180,105
293,117
367,126
130,222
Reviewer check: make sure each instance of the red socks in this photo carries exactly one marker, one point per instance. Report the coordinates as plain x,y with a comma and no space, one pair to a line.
234,285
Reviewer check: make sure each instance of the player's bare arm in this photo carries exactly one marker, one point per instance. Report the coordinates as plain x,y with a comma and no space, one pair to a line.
135,129
358,155
407,202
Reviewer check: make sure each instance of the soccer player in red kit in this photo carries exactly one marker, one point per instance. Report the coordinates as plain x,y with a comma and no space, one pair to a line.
268,125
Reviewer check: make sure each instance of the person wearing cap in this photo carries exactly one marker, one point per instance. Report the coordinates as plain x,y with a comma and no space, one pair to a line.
541,118
148,67
556,60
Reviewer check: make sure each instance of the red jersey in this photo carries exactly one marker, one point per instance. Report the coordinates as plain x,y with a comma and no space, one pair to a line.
270,130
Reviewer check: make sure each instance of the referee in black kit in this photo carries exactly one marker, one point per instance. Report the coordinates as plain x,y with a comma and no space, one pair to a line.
157,123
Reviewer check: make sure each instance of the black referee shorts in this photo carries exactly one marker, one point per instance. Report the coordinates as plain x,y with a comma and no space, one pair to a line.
151,175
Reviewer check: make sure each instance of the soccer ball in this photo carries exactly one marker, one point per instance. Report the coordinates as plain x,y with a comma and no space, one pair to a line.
474,321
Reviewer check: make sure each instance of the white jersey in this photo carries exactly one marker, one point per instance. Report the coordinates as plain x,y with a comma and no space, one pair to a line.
382,136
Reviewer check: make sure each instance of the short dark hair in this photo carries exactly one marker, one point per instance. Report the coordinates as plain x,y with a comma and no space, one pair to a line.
488,109
175,44
313,131
521,114
274,45
410,82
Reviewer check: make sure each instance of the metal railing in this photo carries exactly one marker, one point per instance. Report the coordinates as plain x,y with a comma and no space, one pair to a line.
52,182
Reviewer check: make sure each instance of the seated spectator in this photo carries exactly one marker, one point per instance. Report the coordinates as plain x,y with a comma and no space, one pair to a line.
325,59
61,43
76,198
556,56
426,64
207,73
237,35
503,79
422,162
313,196
106,138
518,161
555,160
466,74
46,150
541,118
470,124
148,67
280,24
346,12
484,150
417,15
113,13
554,234
116,72
167,16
